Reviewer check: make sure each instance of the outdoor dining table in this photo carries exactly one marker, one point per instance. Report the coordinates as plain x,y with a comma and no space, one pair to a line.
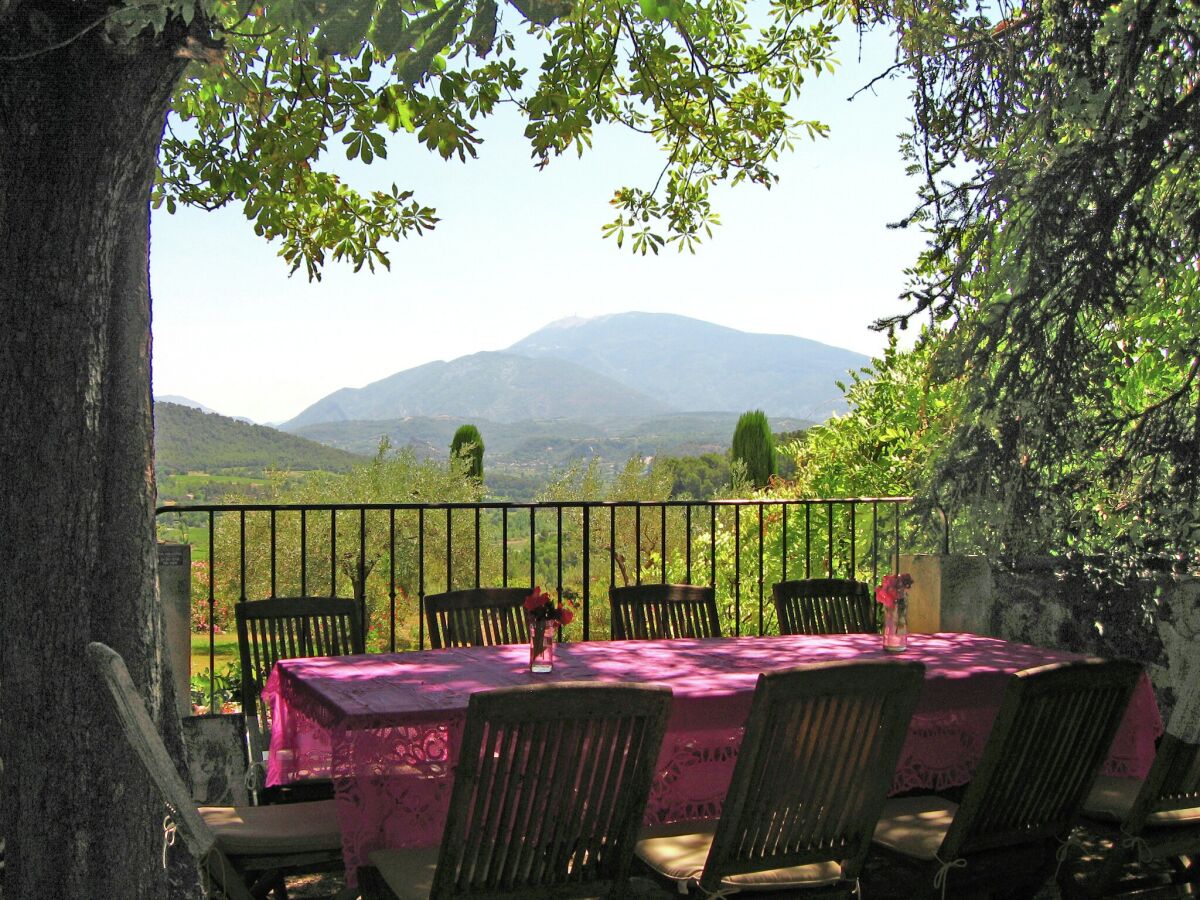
385,727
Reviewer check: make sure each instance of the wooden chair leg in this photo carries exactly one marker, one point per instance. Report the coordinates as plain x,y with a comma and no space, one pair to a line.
269,883
1187,868
372,885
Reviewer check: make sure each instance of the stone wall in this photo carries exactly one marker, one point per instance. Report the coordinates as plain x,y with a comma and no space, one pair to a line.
1155,620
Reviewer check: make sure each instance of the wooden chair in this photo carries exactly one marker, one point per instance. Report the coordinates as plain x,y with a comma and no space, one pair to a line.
480,617
658,611
549,791
814,768
236,847
824,606
287,628
1146,820
1054,728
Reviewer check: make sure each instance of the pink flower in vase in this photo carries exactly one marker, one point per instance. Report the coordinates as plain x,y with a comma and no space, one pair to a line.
894,589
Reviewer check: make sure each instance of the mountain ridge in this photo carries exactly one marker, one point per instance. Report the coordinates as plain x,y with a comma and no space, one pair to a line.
697,365
490,385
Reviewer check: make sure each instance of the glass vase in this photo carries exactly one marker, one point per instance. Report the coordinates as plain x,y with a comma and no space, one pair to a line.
895,627
541,646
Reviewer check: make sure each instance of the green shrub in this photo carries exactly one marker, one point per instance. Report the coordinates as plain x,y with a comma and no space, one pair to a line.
754,445
225,689
468,443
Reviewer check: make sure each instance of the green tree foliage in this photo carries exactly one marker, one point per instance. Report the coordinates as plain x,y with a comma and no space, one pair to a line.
337,562
294,79
897,418
468,443
1059,146
754,445
785,464
697,477
635,542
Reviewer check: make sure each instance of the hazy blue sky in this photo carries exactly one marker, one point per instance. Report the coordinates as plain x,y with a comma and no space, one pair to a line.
517,249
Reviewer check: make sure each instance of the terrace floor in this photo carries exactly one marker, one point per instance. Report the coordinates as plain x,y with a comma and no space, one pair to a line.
878,882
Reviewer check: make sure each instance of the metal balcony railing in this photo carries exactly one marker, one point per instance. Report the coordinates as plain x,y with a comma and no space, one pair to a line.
389,556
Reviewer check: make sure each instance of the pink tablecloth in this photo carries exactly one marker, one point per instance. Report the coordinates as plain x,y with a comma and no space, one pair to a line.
385,727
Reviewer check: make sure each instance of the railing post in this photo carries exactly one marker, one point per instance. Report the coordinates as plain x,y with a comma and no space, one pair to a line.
587,571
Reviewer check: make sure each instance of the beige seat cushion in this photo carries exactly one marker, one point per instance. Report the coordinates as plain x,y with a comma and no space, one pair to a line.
267,830
915,826
1111,800
679,852
409,873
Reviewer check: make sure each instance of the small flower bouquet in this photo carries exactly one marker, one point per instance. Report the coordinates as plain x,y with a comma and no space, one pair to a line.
894,589
544,617
892,595
540,607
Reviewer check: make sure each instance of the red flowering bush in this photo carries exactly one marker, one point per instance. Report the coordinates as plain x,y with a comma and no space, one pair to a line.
223,600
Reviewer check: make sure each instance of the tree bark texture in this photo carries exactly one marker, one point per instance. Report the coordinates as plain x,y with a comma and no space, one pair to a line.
79,133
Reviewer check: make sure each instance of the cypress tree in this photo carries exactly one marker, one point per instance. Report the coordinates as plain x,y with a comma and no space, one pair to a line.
468,440
754,445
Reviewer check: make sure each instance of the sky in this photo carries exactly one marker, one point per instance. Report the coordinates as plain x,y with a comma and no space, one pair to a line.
518,248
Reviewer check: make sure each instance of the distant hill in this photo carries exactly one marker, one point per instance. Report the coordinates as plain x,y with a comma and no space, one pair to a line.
692,365
186,439
183,401
192,404
547,445
499,387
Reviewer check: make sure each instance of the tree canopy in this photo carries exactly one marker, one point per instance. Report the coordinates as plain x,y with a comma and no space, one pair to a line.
282,85
1058,146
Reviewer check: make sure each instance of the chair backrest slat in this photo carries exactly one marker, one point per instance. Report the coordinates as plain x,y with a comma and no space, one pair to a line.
550,788
1173,783
661,611
126,704
477,617
1054,728
290,628
1180,787
816,762
824,606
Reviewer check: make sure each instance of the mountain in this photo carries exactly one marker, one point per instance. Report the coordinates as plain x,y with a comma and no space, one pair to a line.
628,367
693,365
500,387
186,439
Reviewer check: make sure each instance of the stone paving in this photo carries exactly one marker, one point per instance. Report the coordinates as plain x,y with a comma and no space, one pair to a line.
879,882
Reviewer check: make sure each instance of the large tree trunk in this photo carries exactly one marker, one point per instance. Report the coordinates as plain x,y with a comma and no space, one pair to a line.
79,134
